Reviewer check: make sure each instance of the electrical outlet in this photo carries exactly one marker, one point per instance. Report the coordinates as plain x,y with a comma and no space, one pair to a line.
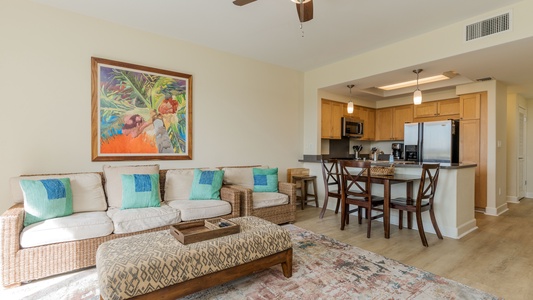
499,191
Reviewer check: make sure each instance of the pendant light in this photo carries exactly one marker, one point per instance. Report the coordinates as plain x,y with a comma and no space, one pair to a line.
350,104
417,96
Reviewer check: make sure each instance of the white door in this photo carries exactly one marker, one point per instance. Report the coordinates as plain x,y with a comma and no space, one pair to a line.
521,153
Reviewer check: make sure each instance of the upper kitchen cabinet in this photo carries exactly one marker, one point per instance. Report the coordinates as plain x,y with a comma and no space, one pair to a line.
332,113
469,106
368,116
390,121
437,110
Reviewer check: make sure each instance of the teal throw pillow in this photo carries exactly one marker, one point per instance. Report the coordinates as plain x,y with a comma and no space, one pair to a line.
46,199
206,184
265,180
140,190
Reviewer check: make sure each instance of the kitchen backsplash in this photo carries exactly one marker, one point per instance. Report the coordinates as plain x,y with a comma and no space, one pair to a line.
344,147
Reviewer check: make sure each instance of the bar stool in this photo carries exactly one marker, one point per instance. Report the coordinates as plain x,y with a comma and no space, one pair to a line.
306,181
301,178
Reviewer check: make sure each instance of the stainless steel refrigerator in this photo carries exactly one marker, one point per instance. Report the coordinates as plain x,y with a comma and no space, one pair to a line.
432,141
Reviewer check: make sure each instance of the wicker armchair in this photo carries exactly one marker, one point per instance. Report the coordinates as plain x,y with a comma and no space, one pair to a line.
278,214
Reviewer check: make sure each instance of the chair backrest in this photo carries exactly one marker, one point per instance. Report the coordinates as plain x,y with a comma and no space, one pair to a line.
355,183
296,171
428,183
331,175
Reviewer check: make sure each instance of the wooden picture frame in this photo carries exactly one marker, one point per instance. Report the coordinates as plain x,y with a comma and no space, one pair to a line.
139,113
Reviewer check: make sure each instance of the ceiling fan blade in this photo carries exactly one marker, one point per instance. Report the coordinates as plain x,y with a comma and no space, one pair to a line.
307,11
242,2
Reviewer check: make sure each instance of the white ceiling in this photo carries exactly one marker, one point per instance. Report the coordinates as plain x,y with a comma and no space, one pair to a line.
269,31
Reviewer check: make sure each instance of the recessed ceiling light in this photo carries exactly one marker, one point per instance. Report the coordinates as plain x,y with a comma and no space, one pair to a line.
444,76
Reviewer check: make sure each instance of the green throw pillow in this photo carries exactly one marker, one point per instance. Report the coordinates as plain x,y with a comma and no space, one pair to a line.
206,185
265,180
140,190
46,199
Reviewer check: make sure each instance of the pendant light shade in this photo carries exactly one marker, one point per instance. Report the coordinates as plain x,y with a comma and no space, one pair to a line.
417,95
350,104
350,107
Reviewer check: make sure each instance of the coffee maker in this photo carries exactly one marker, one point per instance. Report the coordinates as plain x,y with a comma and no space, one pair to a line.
397,150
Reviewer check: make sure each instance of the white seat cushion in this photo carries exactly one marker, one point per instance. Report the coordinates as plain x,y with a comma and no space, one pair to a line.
266,199
78,226
201,209
138,219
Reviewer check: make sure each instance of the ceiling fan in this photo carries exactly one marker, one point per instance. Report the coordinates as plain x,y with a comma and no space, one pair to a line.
303,7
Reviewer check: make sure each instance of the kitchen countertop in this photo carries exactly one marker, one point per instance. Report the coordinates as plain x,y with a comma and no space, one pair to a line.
385,163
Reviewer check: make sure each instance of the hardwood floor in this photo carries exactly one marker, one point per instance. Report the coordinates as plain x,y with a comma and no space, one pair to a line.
496,258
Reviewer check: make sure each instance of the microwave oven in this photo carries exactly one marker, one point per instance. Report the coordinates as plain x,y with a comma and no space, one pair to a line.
352,127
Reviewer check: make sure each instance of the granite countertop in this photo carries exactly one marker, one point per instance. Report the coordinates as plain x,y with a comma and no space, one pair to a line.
385,163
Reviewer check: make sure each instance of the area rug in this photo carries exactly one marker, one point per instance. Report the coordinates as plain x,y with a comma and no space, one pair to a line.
323,268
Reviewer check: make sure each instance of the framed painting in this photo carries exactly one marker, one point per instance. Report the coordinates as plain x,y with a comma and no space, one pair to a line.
140,113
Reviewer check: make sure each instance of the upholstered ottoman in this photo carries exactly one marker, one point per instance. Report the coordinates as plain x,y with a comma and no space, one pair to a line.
156,265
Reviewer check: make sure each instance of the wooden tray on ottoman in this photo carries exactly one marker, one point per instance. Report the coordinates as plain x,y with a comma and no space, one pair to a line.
197,231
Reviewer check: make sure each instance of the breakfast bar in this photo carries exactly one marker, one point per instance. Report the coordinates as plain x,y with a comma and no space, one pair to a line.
454,199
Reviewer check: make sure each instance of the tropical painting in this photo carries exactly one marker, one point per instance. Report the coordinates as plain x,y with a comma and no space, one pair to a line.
140,113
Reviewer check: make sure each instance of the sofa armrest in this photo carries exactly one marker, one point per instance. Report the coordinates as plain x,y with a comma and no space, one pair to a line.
288,189
246,198
11,224
232,196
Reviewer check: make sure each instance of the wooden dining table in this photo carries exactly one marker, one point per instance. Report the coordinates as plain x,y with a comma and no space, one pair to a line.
388,181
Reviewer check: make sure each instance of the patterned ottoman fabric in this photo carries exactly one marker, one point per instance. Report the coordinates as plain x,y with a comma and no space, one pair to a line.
140,264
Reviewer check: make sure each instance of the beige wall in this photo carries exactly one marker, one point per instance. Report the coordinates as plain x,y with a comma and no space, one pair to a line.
244,111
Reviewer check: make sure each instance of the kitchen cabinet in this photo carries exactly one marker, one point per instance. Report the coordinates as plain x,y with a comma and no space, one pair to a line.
437,110
470,106
368,116
331,115
473,141
390,121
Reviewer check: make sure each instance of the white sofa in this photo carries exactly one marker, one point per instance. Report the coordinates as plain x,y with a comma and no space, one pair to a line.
68,243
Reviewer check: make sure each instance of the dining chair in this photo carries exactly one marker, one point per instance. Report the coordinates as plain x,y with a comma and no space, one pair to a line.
356,189
423,202
332,183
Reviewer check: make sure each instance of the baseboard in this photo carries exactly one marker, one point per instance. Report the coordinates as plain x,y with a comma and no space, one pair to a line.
491,211
513,199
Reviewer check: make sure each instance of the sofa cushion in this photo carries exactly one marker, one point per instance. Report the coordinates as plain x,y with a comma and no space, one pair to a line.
46,199
206,184
204,209
265,180
178,184
138,219
140,190
87,190
113,180
265,199
78,226
242,176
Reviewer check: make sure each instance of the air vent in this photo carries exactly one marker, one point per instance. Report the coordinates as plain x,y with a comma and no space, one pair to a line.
489,26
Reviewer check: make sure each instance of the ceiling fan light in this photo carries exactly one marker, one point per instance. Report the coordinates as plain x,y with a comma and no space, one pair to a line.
298,1
417,97
350,107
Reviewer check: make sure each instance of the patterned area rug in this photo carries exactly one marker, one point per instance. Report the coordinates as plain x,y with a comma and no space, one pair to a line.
323,268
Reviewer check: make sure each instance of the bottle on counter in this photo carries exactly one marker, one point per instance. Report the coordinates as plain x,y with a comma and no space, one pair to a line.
391,159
